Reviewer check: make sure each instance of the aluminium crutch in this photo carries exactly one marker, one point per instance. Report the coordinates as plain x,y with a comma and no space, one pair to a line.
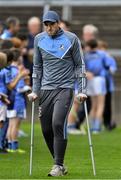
32,138
87,119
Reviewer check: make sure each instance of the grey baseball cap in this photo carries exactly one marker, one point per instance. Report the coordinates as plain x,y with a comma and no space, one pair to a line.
51,16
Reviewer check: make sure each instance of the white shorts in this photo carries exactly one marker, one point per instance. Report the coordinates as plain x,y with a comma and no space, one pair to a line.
14,113
3,112
96,86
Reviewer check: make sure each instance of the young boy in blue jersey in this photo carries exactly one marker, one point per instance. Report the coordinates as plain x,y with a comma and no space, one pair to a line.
17,109
13,26
111,68
96,85
3,97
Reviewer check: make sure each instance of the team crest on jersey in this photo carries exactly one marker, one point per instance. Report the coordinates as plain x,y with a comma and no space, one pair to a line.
61,47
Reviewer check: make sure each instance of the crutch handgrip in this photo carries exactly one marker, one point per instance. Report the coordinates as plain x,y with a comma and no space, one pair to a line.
32,96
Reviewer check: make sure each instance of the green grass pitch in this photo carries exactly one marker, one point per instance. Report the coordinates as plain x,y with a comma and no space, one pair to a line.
107,153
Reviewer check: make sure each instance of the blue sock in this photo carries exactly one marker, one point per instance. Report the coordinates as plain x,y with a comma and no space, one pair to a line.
14,145
92,124
71,126
97,125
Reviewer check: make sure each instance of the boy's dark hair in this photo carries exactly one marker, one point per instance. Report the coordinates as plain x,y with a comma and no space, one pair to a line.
6,44
92,43
16,54
9,55
22,36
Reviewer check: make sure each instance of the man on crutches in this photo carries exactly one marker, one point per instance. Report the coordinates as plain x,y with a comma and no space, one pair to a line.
56,66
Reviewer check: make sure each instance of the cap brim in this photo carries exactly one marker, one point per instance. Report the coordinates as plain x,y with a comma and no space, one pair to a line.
49,20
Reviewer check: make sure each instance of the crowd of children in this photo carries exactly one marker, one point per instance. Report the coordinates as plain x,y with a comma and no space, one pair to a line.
14,83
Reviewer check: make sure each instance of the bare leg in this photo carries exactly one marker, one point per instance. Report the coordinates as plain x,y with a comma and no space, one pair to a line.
100,106
93,107
15,129
73,113
13,133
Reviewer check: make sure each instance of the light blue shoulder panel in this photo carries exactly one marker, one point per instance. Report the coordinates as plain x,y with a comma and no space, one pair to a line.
57,47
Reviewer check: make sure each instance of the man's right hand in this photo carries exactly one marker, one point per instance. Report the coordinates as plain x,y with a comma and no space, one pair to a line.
32,96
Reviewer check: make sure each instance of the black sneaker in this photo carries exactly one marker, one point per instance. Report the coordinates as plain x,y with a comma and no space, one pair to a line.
3,151
111,126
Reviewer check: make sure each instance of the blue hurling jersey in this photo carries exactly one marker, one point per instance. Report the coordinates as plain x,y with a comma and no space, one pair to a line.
5,78
94,61
17,99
